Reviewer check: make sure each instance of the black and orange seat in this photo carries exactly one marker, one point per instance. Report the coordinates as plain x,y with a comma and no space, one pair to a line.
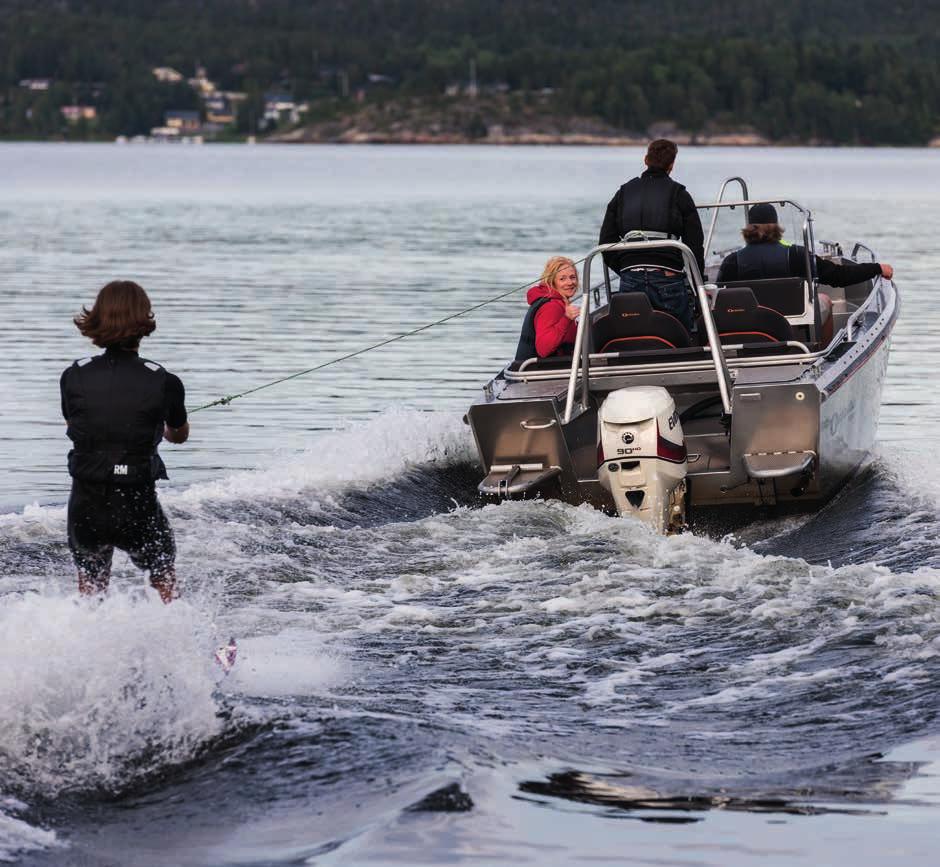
631,324
740,319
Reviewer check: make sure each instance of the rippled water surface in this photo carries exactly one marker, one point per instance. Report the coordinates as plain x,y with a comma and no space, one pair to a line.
423,680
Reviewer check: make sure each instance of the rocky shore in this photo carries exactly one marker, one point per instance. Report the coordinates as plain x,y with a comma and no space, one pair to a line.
514,120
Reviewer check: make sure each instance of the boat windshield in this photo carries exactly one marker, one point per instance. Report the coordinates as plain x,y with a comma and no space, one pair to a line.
730,220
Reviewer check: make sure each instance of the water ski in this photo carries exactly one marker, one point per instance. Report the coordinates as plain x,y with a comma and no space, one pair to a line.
225,655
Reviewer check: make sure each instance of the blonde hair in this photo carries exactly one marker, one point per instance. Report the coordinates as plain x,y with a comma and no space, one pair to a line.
553,266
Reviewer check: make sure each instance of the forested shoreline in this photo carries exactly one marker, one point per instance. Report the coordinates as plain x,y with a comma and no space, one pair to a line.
860,72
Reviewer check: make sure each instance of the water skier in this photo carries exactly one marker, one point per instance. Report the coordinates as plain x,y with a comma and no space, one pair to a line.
118,408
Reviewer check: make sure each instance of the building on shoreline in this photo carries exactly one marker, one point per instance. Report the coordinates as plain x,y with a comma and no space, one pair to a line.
76,113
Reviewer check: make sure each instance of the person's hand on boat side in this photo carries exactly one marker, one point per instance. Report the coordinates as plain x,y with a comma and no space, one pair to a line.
572,311
887,271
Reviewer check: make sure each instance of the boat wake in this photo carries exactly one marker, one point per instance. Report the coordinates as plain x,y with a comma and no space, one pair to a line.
887,515
100,694
375,602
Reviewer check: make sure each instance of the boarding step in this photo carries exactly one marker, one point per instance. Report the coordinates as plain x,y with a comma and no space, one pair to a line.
508,480
778,465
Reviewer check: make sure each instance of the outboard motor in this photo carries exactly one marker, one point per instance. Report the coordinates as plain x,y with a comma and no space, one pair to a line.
642,456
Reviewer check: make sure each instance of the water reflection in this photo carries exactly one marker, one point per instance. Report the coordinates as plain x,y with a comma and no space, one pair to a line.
857,788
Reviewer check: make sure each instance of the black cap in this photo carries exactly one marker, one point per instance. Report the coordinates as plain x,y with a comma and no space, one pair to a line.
762,214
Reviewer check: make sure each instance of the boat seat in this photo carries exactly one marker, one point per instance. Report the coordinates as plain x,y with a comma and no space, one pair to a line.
740,319
630,323
786,295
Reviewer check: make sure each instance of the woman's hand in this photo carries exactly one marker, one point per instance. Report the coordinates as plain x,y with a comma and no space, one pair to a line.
572,311
887,271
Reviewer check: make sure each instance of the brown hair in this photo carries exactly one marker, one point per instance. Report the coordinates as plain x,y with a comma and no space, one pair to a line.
661,154
120,316
552,267
757,233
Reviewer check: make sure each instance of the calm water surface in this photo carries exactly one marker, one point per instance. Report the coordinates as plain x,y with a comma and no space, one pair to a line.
422,680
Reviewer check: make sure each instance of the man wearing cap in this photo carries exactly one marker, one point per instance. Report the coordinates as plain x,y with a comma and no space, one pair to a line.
765,256
662,208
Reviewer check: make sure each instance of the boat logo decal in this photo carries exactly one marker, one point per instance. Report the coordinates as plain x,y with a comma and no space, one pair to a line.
627,438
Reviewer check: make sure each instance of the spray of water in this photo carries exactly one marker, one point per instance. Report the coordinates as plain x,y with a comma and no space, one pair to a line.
101,693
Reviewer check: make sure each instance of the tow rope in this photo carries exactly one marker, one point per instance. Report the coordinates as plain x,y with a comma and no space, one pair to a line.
224,401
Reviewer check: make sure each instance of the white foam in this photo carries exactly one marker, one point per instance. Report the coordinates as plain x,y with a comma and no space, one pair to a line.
34,524
18,837
378,449
762,662
914,470
290,663
97,694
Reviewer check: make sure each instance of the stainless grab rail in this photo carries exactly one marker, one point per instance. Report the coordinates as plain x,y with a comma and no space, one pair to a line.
581,344
830,248
579,341
878,294
748,202
721,192
808,239
726,346
860,246
609,371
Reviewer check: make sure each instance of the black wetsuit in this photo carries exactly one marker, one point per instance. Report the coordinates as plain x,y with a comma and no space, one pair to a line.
767,259
116,405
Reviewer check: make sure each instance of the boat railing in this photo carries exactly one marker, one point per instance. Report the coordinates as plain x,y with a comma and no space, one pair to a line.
878,295
806,229
581,354
525,374
718,198
830,248
726,347
860,246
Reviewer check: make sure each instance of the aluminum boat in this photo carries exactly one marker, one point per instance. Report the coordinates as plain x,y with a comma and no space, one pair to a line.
639,422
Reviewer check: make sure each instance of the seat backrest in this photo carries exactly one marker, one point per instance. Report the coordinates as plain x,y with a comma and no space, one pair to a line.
740,319
630,323
787,295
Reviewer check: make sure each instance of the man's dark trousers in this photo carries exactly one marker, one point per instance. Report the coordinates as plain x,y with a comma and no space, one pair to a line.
667,291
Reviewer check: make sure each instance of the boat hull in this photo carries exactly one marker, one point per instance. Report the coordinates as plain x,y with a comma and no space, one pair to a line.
800,425
849,419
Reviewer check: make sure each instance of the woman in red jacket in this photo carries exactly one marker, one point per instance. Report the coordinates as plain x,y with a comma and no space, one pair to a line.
550,326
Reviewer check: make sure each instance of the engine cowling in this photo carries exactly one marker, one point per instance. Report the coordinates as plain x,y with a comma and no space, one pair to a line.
642,456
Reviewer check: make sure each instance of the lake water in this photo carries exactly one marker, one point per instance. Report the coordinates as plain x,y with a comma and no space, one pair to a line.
422,680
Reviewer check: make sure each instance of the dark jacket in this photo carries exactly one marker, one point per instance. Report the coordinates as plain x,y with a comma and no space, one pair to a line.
661,205
767,259
116,405
546,330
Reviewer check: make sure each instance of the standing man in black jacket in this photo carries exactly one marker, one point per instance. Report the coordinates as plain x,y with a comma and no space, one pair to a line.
118,408
661,208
